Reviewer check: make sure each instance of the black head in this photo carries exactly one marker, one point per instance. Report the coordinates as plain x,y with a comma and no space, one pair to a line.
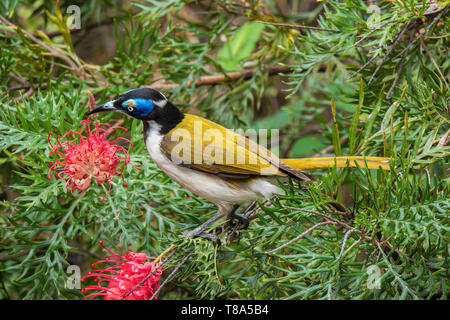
140,103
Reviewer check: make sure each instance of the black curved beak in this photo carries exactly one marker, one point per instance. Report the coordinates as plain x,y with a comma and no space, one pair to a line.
108,106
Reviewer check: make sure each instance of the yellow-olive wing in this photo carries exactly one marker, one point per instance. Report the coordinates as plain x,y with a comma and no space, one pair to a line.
204,145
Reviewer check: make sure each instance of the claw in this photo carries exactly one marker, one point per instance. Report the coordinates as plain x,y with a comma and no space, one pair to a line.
241,219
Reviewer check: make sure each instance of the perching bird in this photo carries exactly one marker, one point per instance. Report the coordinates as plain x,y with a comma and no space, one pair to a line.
211,161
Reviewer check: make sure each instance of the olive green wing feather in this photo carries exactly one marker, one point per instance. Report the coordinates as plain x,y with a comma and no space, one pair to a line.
206,146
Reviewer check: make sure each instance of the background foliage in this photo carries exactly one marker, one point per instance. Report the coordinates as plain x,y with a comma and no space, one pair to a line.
359,83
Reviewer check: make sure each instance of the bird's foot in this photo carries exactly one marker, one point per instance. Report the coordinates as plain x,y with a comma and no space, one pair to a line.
241,221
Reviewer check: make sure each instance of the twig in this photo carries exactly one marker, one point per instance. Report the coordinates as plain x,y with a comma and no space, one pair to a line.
351,247
299,236
17,78
434,63
296,26
54,52
436,19
394,273
441,141
220,78
172,274
397,38
343,224
344,241
86,28
6,256
372,31
397,76
432,9
362,67
250,211
308,129
329,148
394,44
228,10
249,208
23,87
149,275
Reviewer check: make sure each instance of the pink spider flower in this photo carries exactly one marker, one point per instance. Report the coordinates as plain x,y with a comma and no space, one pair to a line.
124,276
91,157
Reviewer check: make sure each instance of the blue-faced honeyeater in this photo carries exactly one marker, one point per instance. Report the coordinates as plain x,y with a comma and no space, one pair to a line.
205,166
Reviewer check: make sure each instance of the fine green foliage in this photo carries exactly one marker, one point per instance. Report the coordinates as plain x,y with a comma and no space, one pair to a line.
362,82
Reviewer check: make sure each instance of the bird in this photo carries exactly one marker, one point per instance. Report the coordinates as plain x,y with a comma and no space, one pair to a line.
213,162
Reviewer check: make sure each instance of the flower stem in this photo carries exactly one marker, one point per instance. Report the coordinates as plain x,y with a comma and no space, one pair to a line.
164,253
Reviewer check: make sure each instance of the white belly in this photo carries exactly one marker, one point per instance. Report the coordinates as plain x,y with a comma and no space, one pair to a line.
208,186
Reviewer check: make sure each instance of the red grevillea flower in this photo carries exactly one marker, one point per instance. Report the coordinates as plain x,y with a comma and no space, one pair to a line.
91,157
124,276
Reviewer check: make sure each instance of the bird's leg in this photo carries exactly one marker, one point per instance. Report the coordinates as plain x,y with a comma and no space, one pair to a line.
200,230
223,210
233,215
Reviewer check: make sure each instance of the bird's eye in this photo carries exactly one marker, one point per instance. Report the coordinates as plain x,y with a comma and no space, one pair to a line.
130,104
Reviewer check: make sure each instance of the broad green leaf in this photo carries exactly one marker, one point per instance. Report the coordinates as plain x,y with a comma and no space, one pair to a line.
240,46
307,145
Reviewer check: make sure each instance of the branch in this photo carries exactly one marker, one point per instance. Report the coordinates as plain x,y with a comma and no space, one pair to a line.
225,77
426,30
297,26
299,236
172,274
442,141
393,45
308,129
397,39
434,63
149,275
54,52
5,257
86,28
371,32
397,76
344,241
343,224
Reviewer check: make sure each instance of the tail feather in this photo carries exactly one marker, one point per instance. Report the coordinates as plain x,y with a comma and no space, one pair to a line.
340,162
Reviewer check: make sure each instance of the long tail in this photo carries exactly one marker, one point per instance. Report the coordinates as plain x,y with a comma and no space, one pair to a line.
340,162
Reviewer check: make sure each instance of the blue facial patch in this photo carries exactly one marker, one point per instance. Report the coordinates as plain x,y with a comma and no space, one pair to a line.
138,106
